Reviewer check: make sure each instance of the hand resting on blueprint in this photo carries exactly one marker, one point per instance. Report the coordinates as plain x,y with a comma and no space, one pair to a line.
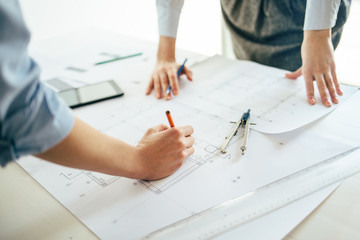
165,71
160,152
318,65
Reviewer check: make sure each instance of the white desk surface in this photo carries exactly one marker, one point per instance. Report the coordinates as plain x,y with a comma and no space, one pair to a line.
27,211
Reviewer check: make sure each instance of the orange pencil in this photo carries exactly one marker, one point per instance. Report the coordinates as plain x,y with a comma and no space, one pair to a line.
171,122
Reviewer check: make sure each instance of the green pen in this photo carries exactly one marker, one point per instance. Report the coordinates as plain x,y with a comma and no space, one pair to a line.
119,58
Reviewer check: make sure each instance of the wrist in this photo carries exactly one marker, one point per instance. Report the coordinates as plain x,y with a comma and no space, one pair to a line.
122,159
317,34
166,49
131,165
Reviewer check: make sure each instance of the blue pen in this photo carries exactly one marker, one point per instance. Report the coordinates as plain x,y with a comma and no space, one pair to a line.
168,90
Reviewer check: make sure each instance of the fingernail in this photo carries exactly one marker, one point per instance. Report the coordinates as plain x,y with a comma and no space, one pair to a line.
312,100
335,100
340,92
327,103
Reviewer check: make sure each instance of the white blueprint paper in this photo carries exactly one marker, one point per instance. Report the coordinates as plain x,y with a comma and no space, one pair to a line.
116,207
277,104
120,208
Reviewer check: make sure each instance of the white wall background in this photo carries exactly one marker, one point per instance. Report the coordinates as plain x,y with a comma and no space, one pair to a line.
199,28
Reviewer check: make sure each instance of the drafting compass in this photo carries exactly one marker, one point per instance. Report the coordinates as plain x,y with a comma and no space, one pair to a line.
243,122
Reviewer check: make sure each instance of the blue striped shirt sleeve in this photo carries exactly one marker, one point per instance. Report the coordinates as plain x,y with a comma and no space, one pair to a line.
32,118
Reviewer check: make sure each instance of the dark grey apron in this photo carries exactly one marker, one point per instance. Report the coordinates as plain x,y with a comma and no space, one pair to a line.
270,32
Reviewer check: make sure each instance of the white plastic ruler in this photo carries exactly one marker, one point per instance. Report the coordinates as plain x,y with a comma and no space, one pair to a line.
264,200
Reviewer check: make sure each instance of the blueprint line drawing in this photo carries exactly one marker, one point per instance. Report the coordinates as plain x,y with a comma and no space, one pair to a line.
102,180
114,207
192,164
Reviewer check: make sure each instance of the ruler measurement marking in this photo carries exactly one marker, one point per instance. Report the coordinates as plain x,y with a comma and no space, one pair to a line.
241,210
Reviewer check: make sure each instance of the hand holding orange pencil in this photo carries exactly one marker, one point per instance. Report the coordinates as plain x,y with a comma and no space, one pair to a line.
163,150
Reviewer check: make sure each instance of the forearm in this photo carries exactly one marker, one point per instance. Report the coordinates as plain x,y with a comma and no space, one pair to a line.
166,49
159,153
86,148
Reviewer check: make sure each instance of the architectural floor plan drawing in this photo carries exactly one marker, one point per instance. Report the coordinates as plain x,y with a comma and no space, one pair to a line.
102,180
277,104
72,177
120,208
